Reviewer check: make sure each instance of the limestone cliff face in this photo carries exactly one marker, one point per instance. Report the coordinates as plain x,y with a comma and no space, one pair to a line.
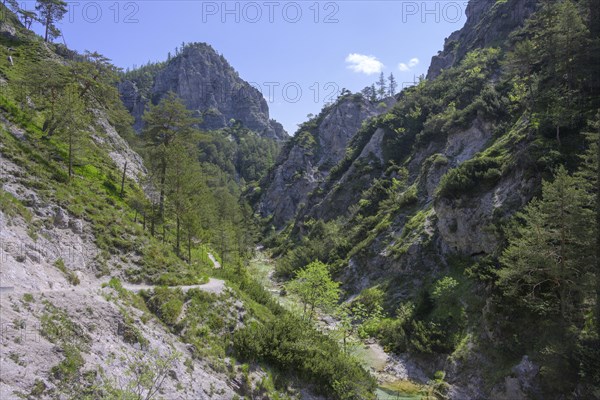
301,186
307,160
209,85
489,22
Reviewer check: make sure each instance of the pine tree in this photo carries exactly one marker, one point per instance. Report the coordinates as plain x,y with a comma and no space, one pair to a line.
51,11
27,17
381,87
73,122
589,173
373,98
183,180
191,224
366,92
392,85
547,262
45,85
558,45
166,123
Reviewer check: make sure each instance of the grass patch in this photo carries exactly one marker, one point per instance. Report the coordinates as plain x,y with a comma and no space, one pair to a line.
71,276
12,207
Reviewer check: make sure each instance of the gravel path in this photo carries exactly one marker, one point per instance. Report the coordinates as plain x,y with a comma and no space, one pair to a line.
216,286
214,260
212,286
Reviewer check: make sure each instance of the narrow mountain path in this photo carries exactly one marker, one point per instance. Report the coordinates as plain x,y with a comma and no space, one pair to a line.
212,258
214,285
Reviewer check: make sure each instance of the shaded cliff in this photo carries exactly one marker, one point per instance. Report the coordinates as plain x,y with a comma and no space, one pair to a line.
307,159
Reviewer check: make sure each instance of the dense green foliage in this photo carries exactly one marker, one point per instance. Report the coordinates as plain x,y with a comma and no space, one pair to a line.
314,287
539,290
295,346
537,96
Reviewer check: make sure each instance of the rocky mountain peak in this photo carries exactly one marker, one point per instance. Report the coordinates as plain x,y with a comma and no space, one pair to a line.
209,85
488,22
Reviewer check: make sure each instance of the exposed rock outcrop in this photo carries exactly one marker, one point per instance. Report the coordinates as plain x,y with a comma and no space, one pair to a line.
318,146
208,85
489,22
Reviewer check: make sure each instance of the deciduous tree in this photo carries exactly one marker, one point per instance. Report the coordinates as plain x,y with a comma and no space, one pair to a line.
316,289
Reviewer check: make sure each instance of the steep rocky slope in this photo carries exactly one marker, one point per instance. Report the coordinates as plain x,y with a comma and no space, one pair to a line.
399,145
85,311
207,84
424,195
62,330
489,22
306,161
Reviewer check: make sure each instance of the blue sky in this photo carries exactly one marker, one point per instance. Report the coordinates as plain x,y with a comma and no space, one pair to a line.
298,53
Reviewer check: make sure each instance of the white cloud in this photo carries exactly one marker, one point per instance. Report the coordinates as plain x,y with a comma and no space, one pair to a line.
362,63
404,67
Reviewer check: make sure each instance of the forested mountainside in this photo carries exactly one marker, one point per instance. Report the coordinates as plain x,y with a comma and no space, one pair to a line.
162,239
469,209
106,253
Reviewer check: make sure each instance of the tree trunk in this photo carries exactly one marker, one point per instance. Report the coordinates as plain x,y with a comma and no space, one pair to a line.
123,180
598,241
70,155
177,235
558,134
163,173
46,34
152,221
189,248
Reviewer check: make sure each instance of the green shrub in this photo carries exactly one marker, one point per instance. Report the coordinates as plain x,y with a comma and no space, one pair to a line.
11,206
58,327
27,297
165,303
476,174
294,346
392,335
70,366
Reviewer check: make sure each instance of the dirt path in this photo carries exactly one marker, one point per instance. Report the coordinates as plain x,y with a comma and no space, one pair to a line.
216,286
216,263
212,286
